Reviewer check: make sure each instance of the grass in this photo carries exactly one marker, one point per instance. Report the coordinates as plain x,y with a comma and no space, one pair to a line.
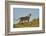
33,23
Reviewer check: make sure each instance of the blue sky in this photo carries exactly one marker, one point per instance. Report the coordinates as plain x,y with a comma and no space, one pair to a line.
18,12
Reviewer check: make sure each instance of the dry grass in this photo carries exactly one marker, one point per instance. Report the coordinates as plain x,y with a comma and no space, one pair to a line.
33,23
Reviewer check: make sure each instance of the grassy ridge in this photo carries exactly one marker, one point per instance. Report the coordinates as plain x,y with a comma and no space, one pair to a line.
33,23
